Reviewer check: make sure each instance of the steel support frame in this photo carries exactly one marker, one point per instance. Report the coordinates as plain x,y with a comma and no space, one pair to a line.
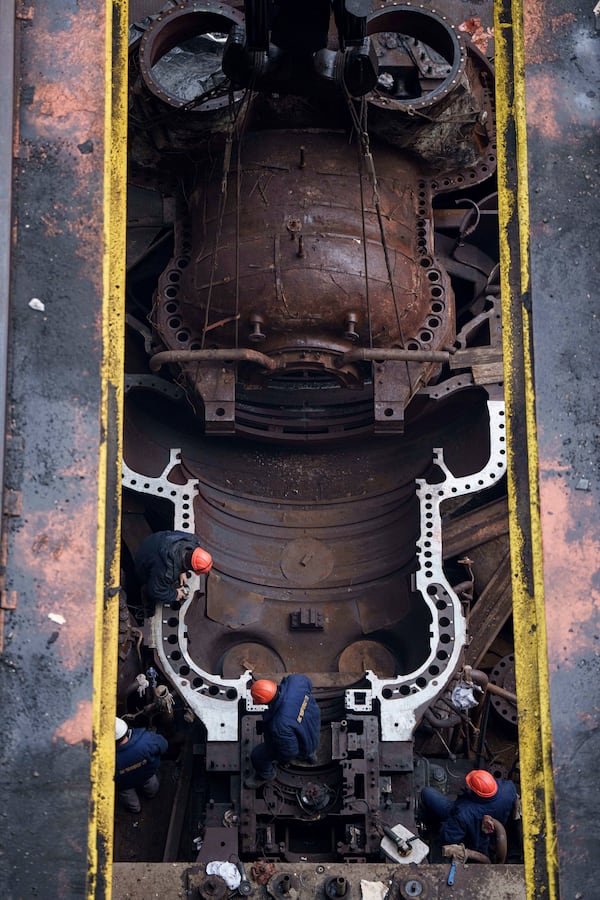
550,352
63,445
527,578
532,472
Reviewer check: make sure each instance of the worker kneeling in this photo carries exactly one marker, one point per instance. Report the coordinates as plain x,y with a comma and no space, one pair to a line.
291,726
461,820
163,561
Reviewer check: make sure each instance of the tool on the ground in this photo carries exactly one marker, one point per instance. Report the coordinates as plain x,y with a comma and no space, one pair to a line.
451,872
402,844
244,888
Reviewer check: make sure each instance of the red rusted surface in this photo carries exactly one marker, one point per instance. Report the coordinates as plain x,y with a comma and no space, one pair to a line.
55,390
62,558
570,543
562,127
79,727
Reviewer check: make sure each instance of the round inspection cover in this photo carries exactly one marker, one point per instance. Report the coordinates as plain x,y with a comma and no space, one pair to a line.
257,657
363,656
414,887
306,561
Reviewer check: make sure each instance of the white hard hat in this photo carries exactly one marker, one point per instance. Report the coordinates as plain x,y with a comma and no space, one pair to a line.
121,728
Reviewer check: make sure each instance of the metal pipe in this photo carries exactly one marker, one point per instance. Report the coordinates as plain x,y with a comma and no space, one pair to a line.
482,731
436,722
340,886
393,354
483,681
501,840
502,692
476,675
241,354
464,854
476,856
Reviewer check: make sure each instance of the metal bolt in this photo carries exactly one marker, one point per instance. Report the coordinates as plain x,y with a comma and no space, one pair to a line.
350,332
257,336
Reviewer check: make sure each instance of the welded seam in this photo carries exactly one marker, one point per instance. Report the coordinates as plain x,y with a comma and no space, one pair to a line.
535,739
101,816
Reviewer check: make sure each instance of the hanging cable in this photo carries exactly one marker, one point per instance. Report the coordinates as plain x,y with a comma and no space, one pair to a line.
360,126
240,134
241,114
365,249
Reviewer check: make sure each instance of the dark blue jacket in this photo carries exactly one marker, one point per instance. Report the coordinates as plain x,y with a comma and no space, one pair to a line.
292,723
159,562
138,758
463,826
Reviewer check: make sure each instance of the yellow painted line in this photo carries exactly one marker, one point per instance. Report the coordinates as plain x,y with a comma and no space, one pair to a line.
101,817
531,661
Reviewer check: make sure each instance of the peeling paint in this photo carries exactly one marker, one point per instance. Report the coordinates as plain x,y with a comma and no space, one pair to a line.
542,112
571,554
79,727
536,26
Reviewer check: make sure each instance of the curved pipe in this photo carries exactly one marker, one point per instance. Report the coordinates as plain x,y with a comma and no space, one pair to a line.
476,675
450,721
483,681
180,356
501,840
476,856
362,354
464,854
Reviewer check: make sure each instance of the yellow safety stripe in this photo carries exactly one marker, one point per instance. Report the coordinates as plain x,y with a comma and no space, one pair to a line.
531,663
100,828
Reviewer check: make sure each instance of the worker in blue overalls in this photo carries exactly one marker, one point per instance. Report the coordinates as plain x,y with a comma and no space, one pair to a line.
137,761
291,726
461,820
163,561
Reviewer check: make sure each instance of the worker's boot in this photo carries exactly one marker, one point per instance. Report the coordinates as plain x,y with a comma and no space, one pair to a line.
310,760
254,781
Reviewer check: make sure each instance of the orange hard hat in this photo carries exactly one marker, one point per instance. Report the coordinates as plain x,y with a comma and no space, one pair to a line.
482,783
201,561
263,690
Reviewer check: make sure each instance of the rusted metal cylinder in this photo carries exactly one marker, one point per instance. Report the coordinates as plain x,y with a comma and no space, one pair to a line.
337,886
173,28
452,88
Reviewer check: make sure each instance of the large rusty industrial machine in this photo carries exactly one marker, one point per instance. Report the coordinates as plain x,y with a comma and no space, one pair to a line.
314,387
314,282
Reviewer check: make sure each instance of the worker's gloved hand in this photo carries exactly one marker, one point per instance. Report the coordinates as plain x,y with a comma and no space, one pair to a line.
456,851
487,825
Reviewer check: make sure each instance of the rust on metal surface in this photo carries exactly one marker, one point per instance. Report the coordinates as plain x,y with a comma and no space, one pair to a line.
327,331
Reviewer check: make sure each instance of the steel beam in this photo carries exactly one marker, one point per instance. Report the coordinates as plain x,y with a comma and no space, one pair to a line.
65,374
548,142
